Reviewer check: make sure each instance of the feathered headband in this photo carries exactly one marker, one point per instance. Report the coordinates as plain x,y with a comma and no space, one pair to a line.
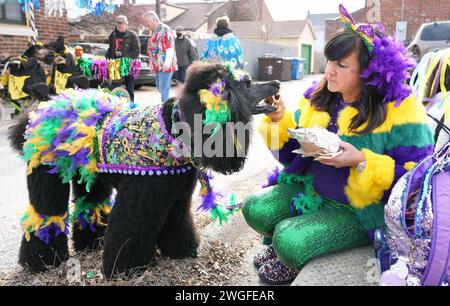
215,98
390,63
365,31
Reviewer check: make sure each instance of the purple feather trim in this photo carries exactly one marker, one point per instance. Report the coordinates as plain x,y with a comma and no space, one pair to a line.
272,178
209,201
46,233
389,69
307,94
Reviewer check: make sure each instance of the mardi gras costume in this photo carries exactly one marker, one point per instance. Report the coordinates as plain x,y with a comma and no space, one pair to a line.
80,134
311,209
431,81
412,249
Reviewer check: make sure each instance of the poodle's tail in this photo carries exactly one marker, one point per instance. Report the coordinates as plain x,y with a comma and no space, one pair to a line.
16,132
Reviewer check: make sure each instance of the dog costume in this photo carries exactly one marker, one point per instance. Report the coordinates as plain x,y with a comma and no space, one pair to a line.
313,209
83,133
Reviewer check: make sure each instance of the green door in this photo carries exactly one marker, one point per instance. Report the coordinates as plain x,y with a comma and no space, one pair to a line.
307,54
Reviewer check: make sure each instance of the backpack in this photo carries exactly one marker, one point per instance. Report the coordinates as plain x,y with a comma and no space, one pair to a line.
414,247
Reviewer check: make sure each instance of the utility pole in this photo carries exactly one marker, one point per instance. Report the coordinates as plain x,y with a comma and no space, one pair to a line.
158,8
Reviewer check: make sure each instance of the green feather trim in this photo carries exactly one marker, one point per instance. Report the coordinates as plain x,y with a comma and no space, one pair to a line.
217,117
307,203
219,212
408,135
372,216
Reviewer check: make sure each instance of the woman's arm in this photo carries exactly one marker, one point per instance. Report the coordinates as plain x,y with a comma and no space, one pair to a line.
274,130
407,140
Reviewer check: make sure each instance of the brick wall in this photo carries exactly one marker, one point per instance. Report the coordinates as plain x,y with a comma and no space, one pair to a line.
247,10
49,28
225,9
415,12
242,10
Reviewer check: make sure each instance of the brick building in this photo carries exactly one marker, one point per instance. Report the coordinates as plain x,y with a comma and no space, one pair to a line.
393,13
14,32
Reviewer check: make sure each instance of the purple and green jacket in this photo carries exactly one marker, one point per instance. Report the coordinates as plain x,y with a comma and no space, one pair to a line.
390,151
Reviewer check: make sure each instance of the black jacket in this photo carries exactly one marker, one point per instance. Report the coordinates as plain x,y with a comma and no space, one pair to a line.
130,46
185,51
222,31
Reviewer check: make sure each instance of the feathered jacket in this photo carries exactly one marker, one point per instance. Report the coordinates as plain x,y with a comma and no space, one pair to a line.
390,151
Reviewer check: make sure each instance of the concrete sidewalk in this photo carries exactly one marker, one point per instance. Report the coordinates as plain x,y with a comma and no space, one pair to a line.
349,268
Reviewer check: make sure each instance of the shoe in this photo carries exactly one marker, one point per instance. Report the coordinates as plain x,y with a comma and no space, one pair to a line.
274,272
263,256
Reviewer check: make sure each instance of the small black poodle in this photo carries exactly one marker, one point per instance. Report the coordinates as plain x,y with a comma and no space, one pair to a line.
150,211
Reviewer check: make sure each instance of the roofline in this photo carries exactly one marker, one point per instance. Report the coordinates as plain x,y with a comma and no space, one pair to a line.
204,17
172,5
312,29
220,6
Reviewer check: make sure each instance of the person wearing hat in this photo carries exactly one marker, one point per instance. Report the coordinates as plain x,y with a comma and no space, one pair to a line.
185,53
124,43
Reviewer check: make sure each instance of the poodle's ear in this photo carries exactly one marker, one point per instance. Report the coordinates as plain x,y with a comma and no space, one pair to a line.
60,39
201,76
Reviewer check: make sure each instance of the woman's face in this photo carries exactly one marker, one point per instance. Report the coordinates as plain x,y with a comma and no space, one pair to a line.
343,76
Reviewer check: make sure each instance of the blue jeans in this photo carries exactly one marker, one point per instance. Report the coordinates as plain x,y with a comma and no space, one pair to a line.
129,84
163,83
180,75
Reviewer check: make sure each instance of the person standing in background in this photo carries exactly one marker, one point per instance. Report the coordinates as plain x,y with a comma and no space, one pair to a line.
185,54
124,43
161,51
224,45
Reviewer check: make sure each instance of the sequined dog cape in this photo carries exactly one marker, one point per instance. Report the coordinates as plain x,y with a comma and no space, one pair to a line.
81,133
137,142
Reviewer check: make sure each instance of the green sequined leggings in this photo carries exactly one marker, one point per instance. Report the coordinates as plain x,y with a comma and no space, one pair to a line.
296,240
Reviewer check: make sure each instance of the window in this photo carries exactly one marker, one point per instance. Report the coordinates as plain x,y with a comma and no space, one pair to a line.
437,31
11,12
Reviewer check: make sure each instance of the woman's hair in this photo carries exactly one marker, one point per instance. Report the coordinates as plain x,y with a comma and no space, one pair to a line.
370,105
223,22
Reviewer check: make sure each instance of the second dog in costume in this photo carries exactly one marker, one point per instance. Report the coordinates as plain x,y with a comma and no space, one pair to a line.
319,207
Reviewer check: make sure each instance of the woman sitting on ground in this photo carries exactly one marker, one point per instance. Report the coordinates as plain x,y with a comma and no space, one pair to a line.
319,207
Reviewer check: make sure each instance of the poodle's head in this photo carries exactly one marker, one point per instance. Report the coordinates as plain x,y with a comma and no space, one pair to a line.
218,103
56,51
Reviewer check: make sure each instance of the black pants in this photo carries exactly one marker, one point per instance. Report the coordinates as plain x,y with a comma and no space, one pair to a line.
129,84
180,74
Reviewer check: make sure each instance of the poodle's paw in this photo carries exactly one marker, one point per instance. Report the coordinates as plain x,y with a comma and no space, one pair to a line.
38,256
89,238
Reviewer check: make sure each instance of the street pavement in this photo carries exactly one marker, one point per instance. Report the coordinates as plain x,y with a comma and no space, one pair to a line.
14,197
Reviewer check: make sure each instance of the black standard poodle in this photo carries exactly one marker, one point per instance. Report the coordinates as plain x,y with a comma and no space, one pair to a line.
152,208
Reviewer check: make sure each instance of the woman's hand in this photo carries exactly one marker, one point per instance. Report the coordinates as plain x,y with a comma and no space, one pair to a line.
277,115
348,158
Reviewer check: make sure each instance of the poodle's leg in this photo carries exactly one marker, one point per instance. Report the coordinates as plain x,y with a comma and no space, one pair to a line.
141,208
44,244
179,238
90,215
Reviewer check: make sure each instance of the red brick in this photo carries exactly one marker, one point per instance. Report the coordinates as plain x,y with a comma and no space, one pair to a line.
49,28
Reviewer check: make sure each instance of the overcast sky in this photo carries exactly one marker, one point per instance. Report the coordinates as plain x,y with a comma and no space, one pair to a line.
280,9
